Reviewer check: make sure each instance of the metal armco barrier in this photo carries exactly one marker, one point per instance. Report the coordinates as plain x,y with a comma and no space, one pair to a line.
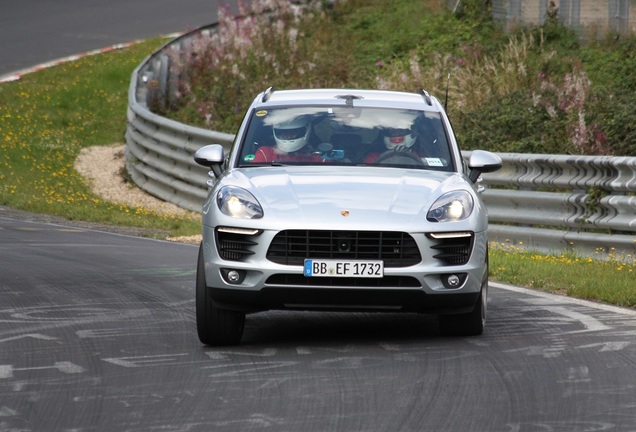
159,150
555,202
544,202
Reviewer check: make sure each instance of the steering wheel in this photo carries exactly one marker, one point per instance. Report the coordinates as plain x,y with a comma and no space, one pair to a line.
393,157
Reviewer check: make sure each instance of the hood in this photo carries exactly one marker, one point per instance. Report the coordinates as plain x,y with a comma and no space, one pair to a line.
362,197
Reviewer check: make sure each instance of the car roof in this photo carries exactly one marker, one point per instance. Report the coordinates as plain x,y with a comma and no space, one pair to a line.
361,98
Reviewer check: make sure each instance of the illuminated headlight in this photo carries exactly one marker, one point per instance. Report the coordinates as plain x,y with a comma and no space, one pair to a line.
450,207
238,203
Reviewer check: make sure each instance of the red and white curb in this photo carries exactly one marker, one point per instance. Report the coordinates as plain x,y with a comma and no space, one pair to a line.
15,76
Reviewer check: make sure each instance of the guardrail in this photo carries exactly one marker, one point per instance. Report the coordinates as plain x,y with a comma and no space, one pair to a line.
544,202
556,202
159,150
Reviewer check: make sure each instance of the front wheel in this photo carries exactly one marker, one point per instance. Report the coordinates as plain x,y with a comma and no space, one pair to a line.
215,326
469,324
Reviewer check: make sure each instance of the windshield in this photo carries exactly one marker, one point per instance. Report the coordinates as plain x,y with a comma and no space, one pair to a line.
346,135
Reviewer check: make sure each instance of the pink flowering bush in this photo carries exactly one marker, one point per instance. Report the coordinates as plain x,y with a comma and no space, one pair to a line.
269,43
568,98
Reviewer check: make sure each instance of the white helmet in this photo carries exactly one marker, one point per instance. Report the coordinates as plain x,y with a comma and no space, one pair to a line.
399,139
292,135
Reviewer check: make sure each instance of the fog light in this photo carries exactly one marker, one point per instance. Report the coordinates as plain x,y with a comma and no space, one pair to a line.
233,276
455,280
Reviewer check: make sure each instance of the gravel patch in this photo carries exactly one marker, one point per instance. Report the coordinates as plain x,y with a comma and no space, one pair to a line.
103,170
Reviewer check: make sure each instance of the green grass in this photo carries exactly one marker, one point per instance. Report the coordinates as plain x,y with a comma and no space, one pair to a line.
610,280
46,118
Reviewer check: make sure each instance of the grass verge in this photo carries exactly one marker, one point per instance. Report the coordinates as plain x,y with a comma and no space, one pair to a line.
608,280
47,117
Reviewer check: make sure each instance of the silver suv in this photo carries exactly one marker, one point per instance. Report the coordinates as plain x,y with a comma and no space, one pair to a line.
343,199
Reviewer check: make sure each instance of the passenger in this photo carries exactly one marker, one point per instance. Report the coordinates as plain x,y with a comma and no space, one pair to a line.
396,139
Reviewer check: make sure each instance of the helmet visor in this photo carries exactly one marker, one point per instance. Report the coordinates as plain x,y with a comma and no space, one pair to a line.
394,132
290,134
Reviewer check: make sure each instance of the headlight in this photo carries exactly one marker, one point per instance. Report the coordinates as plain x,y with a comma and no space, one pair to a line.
450,207
238,203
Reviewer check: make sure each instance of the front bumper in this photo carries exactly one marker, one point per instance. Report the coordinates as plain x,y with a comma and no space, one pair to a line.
420,287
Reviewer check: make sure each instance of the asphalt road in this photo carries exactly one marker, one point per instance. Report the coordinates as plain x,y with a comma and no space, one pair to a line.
97,333
37,31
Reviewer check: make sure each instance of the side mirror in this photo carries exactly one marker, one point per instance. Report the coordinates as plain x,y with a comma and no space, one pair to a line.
211,156
482,162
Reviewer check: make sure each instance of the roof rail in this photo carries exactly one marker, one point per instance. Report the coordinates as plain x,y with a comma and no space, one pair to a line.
427,97
268,93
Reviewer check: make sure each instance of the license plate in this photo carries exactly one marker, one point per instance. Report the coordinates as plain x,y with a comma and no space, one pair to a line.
346,268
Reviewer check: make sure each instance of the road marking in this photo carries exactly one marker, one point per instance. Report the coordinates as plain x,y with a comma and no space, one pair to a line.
114,332
578,374
564,299
247,368
7,412
30,335
608,346
6,371
543,351
304,350
167,272
144,361
258,420
100,333
591,324
222,355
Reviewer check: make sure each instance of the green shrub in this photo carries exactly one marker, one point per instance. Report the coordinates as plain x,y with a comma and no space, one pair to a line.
511,124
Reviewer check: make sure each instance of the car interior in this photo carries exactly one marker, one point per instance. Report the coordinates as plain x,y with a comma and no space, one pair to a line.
348,136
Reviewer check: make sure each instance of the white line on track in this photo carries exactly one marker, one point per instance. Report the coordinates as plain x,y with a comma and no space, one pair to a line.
564,299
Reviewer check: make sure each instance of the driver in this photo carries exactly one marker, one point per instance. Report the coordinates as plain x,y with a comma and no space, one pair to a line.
396,139
292,139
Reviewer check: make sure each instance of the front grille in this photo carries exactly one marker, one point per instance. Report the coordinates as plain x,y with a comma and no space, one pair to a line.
384,282
453,250
292,247
233,246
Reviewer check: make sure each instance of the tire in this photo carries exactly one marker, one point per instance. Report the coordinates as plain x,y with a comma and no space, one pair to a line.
215,326
469,324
